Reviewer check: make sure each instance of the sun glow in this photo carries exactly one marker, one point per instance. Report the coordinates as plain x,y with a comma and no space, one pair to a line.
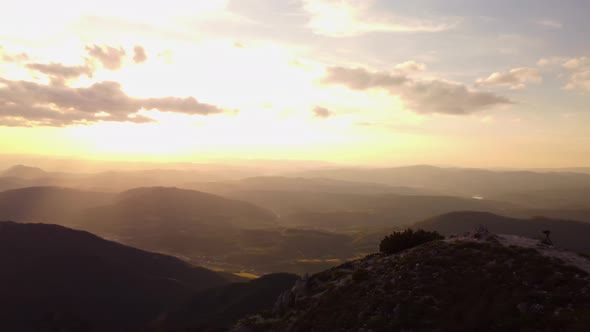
176,135
332,80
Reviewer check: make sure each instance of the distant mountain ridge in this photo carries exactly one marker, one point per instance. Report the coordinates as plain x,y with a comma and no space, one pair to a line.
463,181
111,181
572,235
300,184
173,220
25,172
136,206
337,210
48,204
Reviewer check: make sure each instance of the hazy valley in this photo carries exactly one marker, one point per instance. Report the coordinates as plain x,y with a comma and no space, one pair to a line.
261,227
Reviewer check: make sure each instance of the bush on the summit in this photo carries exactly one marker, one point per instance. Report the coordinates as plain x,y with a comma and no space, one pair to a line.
398,241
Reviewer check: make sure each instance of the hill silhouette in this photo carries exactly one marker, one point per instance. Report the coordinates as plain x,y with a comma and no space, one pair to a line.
58,279
175,220
195,225
48,204
216,309
20,176
145,206
572,235
25,172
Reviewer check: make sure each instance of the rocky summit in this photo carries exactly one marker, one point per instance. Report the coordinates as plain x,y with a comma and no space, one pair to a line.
475,282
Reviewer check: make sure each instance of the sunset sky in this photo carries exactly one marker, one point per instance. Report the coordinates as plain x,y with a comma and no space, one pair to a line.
470,83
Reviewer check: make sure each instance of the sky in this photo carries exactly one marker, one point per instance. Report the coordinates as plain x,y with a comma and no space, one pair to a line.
458,82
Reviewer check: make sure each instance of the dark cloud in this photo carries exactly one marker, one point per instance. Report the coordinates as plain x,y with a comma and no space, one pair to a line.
421,96
26,103
321,112
110,57
59,73
361,79
437,96
187,105
139,55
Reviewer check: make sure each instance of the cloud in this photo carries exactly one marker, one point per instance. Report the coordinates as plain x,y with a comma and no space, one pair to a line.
321,112
515,79
7,57
579,76
579,80
421,96
550,24
551,61
576,63
31,104
110,57
578,70
569,63
59,73
410,66
348,18
139,55
361,79
438,96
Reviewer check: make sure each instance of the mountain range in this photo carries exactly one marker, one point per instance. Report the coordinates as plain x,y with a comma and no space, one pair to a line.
457,181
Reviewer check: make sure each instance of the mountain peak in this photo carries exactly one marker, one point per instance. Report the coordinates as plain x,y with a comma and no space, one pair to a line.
23,171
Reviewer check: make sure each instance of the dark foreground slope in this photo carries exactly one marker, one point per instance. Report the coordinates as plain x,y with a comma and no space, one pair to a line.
57,279
216,309
572,235
463,285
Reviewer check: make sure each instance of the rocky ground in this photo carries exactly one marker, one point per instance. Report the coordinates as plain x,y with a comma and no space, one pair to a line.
474,282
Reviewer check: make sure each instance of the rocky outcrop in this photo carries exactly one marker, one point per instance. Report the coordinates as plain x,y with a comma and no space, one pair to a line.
473,282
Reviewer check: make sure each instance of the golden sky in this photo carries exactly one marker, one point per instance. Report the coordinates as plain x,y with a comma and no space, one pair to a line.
470,83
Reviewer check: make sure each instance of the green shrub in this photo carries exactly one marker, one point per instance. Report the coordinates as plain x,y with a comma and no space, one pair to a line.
360,275
409,238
